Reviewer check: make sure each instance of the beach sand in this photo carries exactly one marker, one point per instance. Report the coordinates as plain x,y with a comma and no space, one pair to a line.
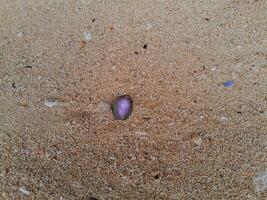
195,70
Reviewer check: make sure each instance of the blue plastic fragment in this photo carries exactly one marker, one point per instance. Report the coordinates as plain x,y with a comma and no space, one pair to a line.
229,83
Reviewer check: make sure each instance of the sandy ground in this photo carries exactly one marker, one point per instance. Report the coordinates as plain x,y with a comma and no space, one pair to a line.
189,136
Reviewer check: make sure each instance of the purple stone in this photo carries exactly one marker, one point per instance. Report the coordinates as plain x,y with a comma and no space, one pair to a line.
122,107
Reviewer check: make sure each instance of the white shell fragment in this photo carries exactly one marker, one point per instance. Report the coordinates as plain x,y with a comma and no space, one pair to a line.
24,190
51,102
87,36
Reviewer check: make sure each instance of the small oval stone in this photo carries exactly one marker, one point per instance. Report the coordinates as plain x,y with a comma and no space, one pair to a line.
122,107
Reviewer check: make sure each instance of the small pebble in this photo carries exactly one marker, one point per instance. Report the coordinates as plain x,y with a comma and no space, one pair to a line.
156,176
229,83
50,103
87,36
24,190
197,139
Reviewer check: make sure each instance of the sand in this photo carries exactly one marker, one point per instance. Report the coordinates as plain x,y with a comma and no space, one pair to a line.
192,134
